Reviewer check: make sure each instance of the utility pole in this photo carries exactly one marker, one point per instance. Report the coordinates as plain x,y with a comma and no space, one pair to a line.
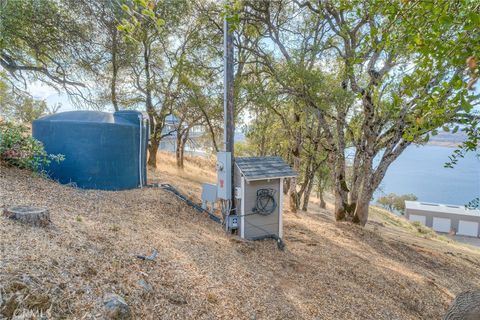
228,107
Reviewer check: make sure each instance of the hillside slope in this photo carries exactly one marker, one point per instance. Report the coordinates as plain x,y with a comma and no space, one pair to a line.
328,270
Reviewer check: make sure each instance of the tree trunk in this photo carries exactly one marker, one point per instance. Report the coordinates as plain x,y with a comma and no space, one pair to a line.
306,195
155,138
367,188
182,138
340,179
355,184
182,148
113,85
178,147
296,150
286,186
341,189
321,185
323,204
152,153
211,129
361,210
308,175
367,153
293,195
182,152
292,191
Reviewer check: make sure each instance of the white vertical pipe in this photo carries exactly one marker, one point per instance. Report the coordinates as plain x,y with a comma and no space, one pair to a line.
280,211
242,209
140,168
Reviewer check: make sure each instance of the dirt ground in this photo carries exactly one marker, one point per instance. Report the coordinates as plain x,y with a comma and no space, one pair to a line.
388,270
468,240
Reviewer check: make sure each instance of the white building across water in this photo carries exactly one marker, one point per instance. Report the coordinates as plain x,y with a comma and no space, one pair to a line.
444,217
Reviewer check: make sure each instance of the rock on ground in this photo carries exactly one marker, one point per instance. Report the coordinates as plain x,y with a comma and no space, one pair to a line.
466,306
116,307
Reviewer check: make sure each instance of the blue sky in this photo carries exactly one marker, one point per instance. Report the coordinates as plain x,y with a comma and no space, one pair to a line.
42,91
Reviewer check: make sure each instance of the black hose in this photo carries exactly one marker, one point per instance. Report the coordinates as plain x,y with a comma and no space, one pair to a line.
280,243
265,203
172,189
262,206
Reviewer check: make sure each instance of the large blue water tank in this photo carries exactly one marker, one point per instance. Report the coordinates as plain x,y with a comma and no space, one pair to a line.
102,150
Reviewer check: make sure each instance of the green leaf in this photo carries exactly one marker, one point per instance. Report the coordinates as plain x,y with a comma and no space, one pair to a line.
445,19
466,106
148,13
417,39
457,84
474,18
142,3
160,22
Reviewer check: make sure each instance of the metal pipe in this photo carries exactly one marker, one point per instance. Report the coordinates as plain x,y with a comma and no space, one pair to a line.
228,101
140,151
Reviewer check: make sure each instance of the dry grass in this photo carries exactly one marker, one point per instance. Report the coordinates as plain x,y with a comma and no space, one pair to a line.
328,271
197,170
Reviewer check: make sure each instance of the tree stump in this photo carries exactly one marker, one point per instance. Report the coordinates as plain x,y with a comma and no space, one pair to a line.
466,306
39,217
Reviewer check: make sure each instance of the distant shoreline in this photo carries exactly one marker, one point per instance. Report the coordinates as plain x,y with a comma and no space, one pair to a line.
446,144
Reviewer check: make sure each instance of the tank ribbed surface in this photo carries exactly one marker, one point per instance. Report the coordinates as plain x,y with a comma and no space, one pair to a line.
102,150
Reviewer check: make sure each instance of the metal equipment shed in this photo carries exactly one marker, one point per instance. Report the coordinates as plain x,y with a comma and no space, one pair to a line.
258,185
444,217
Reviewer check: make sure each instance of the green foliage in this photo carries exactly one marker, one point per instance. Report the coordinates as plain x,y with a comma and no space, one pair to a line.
474,204
41,40
19,149
401,62
244,149
472,130
141,13
19,106
447,38
423,230
232,10
30,109
394,202
6,97
24,109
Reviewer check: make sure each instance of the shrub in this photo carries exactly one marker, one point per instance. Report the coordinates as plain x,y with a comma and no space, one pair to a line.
19,149
396,203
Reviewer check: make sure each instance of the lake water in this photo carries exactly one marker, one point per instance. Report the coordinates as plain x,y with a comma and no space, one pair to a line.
421,171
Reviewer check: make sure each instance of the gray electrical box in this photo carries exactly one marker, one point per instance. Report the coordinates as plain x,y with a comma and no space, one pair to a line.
209,195
258,199
224,175
232,222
